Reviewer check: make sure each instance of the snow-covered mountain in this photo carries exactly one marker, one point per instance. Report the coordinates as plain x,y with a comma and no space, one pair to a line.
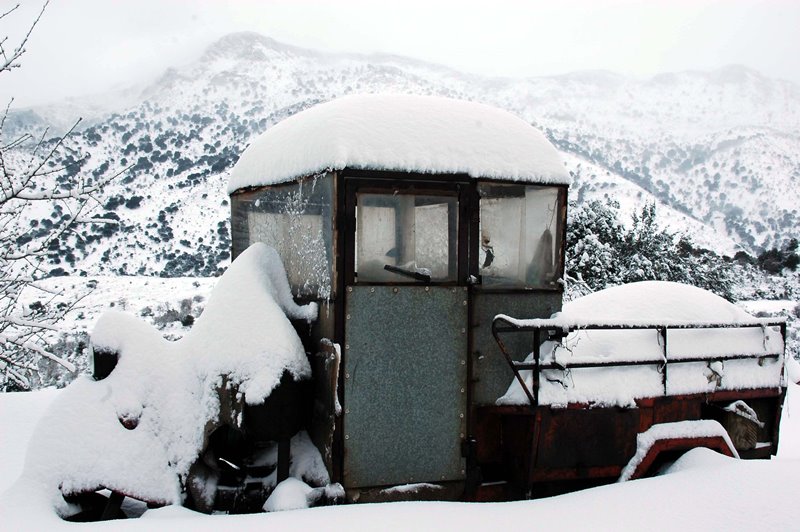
719,151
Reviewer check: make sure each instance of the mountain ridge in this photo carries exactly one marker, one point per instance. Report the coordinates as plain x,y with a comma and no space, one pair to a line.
706,151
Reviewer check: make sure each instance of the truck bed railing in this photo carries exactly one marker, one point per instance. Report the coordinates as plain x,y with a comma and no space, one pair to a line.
556,329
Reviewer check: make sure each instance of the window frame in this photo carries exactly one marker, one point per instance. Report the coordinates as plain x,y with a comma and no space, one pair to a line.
560,245
375,182
241,200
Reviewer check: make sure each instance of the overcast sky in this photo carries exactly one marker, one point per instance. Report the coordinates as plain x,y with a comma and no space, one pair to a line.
89,46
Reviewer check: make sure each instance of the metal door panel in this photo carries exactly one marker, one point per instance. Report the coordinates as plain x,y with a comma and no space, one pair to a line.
405,384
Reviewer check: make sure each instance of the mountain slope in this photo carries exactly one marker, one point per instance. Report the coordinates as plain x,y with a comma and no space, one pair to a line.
719,151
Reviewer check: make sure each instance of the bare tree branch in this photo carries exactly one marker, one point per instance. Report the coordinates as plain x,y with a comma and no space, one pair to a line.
34,171
12,60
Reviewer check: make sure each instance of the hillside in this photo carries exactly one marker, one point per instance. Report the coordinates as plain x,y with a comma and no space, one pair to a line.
719,151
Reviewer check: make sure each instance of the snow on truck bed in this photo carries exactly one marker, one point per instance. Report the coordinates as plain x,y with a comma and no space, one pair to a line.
168,391
403,133
651,303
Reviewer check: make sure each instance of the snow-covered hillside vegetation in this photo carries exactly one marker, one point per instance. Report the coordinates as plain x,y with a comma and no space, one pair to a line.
719,152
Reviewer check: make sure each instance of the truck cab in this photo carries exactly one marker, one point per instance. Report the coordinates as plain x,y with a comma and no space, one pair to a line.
415,222
423,226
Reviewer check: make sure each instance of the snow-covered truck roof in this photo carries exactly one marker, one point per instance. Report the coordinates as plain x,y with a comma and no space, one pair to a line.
423,134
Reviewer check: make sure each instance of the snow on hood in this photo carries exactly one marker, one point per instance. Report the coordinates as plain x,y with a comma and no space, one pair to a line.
404,133
651,303
167,392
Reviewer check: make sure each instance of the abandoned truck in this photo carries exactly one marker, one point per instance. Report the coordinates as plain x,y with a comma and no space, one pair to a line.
420,225
417,244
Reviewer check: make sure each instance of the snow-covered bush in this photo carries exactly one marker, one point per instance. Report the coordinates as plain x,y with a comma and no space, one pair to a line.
776,260
601,251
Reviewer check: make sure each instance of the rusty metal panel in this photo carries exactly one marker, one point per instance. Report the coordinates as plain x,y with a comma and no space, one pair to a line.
490,372
670,409
577,438
405,384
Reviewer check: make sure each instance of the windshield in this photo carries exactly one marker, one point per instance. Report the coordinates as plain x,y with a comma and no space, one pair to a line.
406,237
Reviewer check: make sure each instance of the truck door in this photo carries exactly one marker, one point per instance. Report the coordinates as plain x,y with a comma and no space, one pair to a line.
405,352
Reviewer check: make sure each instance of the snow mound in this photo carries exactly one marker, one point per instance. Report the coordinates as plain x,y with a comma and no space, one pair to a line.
139,430
655,300
294,494
291,494
652,304
793,370
400,132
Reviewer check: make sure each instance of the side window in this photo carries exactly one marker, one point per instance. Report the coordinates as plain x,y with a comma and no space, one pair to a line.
406,238
520,235
296,219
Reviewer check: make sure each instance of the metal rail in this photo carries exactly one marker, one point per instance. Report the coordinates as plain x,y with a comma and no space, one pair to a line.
557,329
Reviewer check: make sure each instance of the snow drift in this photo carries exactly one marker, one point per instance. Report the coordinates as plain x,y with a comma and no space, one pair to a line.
139,430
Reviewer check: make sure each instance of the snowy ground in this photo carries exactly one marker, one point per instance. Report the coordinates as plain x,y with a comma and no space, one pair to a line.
702,491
